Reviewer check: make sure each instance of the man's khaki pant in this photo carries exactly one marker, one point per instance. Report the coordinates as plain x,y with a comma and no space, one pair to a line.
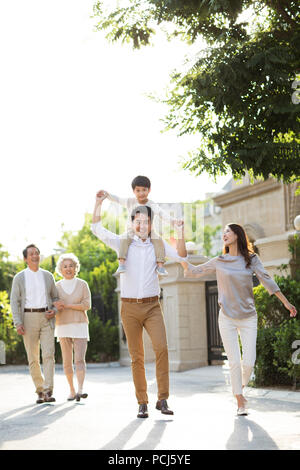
135,317
38,331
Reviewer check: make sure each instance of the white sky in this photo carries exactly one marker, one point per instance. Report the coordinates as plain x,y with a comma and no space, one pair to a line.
74,119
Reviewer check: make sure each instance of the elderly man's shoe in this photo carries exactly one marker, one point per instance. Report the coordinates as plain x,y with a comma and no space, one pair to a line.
162,405
41,398
48,397
143,411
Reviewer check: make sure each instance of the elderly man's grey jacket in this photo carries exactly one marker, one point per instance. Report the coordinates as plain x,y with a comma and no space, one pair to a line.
18,296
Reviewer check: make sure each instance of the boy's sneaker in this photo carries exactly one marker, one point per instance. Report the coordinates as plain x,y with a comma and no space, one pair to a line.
121,269
161,271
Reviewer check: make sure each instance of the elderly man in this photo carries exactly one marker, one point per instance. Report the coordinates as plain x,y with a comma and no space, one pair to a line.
32,300
140,307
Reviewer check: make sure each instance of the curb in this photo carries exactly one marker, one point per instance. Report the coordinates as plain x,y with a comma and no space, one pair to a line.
23,367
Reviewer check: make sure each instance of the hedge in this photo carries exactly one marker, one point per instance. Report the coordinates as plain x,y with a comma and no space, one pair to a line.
276,335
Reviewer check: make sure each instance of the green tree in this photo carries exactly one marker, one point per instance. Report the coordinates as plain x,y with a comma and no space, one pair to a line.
7,270
237,92
209,234
196,230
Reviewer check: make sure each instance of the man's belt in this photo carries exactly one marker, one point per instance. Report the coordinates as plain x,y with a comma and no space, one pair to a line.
140,301
45,309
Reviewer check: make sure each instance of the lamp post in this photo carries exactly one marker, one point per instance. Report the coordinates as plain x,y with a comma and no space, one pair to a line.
297,224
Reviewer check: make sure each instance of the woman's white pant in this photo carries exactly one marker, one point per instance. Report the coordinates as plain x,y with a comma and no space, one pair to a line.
230,328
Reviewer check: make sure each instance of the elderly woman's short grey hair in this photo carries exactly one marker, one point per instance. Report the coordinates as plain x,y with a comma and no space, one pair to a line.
67,256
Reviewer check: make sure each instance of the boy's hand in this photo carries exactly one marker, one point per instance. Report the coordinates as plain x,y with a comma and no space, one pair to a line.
101,195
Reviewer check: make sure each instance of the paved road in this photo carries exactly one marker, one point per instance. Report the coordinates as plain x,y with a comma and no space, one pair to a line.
204,414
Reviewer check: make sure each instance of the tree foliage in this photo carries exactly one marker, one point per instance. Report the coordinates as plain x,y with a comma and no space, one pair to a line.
236,95
7,269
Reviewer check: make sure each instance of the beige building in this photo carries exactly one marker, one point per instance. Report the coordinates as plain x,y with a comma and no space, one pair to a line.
267,210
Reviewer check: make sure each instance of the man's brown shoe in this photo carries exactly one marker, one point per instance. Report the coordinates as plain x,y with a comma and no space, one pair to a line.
41,398
48,397
162,405
143,411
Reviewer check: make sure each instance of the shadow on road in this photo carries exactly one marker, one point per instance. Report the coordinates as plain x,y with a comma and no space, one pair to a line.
27,421
124,436
155,435
248,435
152,440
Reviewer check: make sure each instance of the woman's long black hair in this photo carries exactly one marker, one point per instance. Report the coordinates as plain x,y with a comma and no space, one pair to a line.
245,247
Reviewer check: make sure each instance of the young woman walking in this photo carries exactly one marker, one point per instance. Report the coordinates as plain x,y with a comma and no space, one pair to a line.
234,271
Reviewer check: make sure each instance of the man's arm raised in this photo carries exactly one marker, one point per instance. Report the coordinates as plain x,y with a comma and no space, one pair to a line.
180,242
109,238
100,196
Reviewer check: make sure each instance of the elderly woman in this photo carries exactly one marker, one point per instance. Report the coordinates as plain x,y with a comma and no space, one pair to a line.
72,321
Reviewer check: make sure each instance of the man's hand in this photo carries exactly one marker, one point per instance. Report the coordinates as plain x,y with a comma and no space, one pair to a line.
50,314
179,228
20,330
179,222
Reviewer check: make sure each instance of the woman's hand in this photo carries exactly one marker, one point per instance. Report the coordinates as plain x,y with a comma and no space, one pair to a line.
59,305
291,308
286,303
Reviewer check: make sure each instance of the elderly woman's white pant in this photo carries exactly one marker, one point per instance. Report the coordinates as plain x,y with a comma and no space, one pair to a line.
240,369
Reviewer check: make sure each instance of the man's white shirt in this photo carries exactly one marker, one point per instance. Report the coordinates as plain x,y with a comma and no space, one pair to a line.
35,289
140,279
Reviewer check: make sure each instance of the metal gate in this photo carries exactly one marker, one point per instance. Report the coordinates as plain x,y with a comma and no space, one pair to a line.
214,341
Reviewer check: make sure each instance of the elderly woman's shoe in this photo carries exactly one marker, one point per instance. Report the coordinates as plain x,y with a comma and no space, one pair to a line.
71,397
80,395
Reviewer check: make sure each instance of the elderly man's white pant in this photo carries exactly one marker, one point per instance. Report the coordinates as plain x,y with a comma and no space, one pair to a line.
246,328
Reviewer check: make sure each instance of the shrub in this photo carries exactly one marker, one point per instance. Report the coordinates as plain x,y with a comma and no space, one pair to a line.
104,340
276,334
282,346
14,347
